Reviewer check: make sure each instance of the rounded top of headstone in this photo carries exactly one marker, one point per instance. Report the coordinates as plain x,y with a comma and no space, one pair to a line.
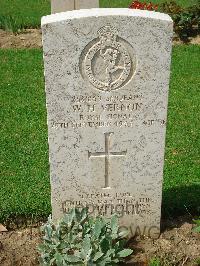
99,12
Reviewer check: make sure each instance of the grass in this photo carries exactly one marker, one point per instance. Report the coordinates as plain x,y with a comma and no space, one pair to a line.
182,174
21,14
25,13
25,186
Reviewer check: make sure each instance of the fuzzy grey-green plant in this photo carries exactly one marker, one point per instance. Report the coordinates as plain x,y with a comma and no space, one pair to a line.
197,225
79,239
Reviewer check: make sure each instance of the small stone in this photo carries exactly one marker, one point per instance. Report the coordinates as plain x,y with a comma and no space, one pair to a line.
3,228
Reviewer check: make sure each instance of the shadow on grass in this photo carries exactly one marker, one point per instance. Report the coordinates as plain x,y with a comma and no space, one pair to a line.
180,201
22,221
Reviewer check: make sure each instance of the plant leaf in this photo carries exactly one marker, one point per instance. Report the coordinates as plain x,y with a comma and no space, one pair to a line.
123,233
86,245
51,261
125,253
48,230
114,226
115,260
105,245
71,216
72,258
59,259
42,248
97,228
197,229
110,252
97,256
84,214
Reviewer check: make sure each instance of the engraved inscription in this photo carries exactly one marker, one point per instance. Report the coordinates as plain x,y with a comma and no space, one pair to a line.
102,111
107,63
121,204
97,111
107,154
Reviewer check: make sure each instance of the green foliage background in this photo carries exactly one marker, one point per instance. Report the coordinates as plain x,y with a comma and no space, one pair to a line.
29,12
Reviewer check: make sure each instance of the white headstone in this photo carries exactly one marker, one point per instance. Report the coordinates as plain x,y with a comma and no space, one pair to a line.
107,78
83,4
68,5
62,5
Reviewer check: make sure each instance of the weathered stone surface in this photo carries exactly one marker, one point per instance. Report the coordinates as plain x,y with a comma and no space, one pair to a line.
107,79
83,4
62,5
68,5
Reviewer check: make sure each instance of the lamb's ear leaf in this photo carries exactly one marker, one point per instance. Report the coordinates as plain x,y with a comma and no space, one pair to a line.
71,216
114,226
110,252
197,229
105,245
125,253
97,228
115,261
123,233
59,259
72,258
52,262
86,245
42,248
84,214
97,256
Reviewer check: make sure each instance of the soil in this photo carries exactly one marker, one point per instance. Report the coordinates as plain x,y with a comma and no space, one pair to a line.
18,248
32,38
191,40
177,245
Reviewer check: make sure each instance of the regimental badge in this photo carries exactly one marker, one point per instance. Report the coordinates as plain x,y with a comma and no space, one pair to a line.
106,62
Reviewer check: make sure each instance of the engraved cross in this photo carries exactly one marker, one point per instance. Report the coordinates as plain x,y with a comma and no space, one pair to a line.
107,154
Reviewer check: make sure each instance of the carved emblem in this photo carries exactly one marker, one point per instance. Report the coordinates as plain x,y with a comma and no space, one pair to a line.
106,61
